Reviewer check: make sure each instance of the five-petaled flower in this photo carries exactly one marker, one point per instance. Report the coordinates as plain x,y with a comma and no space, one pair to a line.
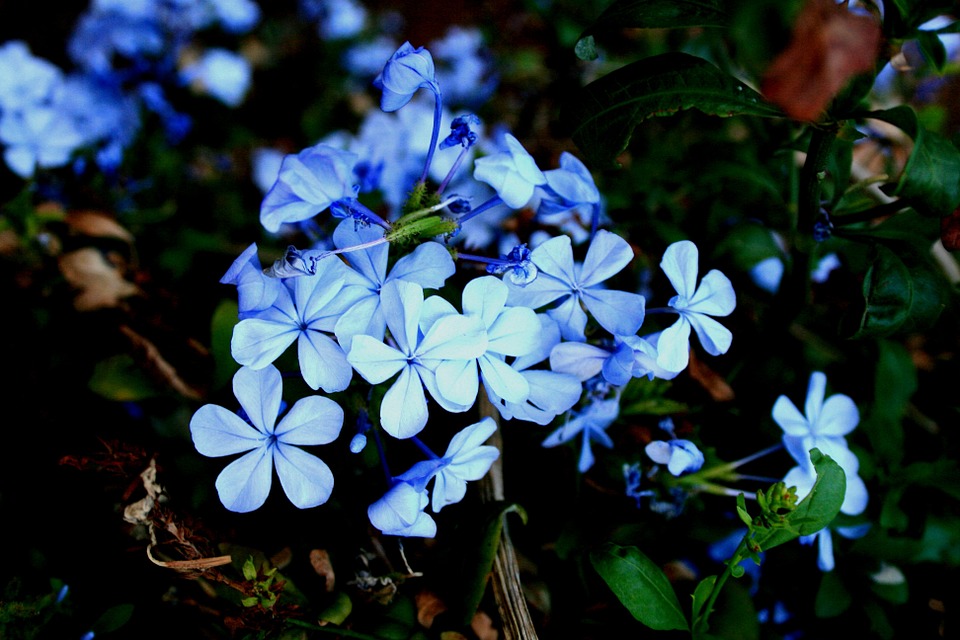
245,483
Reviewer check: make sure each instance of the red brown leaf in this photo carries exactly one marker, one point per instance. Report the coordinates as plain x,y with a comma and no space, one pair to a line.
830,45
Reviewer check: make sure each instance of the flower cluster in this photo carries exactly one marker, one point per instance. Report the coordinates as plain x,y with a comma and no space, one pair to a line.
532,331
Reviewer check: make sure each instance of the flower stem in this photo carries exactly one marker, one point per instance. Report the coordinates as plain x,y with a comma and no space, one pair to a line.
435,136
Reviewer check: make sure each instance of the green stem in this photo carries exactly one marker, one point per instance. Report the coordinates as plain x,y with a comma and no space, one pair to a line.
701,625
879,211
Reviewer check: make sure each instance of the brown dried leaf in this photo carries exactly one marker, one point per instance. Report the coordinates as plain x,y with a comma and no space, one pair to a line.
149,356
97,225
482,625
100,284
830,45
320,560
710,380
950,231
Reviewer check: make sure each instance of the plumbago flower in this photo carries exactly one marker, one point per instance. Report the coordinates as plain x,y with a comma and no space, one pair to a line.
619,312
416,357
305,310
429,266
513,173
680,456
255,290
245,483
714,297
570,190
591,424
466,459
823,425
510,332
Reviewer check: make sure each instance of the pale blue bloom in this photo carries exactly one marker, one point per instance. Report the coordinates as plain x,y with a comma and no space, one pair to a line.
825,266
619,312
823,426
466,459
99,36
586,361
510,332
512,173
407,71
569,189
400,512
364,59
338,19
824,538
245,483
306,310
42,136
255,290
429,266
416,357
591,424
236,16
645,357
464,68
25,80
266,167
308,183
551,392
714,297
680,456
767,273
220,73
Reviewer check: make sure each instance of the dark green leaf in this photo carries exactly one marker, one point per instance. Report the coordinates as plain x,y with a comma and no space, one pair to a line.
933,50
225,317
931,178
112,619
602,115
479,556
735,617
338,611
700,596
833,598
119,378
818,508
640,585
895,381
654,14
901,293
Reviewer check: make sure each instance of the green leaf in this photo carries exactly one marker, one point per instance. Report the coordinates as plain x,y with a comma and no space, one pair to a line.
833,598
817,509
479,556
736,617
338,611
640,586
933,50
653,14
700,597
112,619
225,317
902,293
895,381
602,115
931,178
119,378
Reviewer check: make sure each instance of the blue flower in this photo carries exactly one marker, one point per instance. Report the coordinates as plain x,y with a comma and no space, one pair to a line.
306,310
714,297
403,411
25,80
406,71
245,483
429,265
466,459
255,290
619,312
513,173
308,183
591,424
823,426
223,74
42,136
571,187
680,456
400,512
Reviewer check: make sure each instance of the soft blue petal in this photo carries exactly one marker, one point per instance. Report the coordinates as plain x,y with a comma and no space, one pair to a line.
400,513
825,550
305,478
515,332
256,343
435,308
786,414
505,381
323,363
816,390
608,255
447,489
244,484
547,338
578,358
403,411
714,296
555,258
619,312
680,263
401,303
260,393
217,432
485,298
838,417
586,456
569,430
457,381
454,338
365,317
374,360
371,262
571,319
312,420
856,498
673,347
714,337
542,291
429,266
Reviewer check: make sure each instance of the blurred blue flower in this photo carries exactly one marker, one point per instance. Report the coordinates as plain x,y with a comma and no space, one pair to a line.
220,73
680,456
245,483
308,183
713,297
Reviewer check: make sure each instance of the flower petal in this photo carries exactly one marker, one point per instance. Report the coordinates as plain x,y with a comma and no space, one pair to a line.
619,312
244,484
312,420
838,416
608,255
259,392
403,411
218,432
714,296
305,478
786,414
323,363
714,337
673,346
680,263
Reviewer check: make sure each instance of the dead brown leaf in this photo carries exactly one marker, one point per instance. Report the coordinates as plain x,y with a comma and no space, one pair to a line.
429,606
950,231
97,225
710,380
149,356
100,284
320,560
830,45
